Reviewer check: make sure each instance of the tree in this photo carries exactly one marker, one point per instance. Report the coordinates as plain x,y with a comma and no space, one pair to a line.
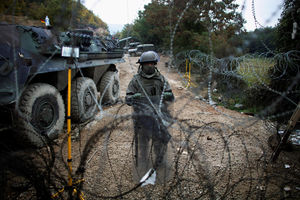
33,7
126,31
159,19
289,17
63,14
260,40
152,24
11,7
117,35
286,74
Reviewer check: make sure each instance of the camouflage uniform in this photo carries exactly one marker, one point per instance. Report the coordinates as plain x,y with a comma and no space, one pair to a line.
152,86
147,125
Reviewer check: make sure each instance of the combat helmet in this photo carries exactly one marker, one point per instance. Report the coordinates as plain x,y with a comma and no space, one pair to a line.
149,57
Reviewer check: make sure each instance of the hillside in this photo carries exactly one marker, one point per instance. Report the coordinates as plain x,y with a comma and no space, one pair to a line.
63,14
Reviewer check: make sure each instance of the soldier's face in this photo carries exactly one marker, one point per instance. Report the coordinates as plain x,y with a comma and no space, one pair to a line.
148,68
148,64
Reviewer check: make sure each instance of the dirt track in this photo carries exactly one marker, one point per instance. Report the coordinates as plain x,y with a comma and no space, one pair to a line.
214,152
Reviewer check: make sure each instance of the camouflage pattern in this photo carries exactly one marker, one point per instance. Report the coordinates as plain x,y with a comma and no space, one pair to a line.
149,118
153,85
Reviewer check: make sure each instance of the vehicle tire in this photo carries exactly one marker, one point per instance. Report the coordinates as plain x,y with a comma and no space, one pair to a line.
41,114
83,96
110,87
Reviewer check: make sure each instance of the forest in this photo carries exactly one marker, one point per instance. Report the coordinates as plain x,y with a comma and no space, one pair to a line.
220,19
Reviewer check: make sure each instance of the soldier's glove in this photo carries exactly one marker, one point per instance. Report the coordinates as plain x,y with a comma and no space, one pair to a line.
136,96
129,100
168,96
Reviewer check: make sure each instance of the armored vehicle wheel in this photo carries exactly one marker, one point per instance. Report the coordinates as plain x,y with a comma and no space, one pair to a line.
110,87
41,112
83,99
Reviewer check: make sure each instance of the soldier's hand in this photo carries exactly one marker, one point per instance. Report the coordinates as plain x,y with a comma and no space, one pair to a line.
168,96
136,96
130,99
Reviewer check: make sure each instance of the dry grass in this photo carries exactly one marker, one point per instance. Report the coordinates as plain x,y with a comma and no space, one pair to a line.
255,70
21,20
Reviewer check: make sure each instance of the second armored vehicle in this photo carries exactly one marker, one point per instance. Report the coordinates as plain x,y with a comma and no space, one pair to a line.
141,49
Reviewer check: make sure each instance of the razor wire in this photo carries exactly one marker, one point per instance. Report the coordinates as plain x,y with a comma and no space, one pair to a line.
206,164
240,68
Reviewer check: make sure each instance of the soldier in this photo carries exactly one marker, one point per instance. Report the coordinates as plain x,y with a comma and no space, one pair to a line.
150,94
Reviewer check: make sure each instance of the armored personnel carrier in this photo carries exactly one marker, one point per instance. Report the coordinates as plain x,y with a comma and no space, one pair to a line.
33,78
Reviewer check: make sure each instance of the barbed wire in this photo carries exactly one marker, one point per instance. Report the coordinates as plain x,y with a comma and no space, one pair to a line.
213,153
